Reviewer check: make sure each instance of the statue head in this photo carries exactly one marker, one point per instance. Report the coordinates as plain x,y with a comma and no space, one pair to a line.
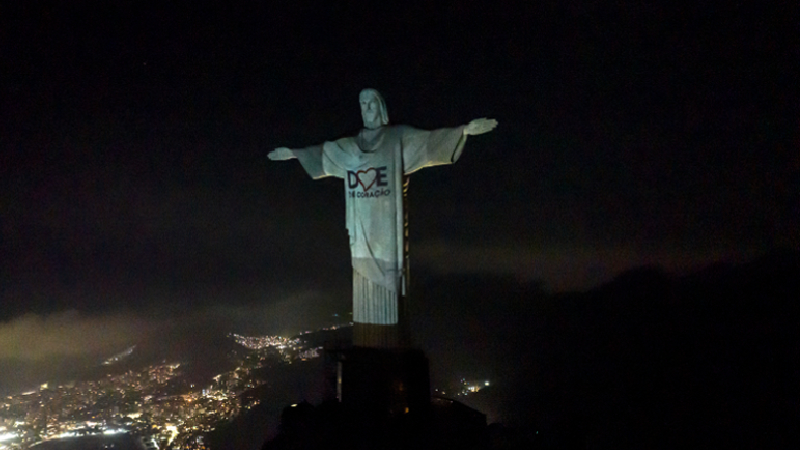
373,109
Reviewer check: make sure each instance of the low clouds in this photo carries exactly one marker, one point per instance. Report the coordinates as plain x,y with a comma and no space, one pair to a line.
563,267
69,334
35,348
33,337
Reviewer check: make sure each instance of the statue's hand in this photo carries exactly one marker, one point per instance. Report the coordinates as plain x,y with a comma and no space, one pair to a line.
480,126
281,154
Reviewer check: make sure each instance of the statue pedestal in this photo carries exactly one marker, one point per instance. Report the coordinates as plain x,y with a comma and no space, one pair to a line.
370,335
379,384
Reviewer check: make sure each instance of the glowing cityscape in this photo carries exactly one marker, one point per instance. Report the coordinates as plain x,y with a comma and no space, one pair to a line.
155,405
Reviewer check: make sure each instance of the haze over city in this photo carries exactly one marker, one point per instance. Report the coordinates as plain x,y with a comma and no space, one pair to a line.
138,207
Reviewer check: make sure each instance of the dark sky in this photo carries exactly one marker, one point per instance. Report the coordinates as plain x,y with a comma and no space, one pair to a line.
133,171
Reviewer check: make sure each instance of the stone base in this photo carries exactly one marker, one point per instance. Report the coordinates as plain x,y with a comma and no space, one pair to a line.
376,336
380,383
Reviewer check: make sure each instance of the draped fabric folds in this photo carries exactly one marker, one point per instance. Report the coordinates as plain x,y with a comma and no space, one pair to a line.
373,165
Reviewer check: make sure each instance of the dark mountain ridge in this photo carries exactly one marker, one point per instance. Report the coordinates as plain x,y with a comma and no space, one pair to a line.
646,359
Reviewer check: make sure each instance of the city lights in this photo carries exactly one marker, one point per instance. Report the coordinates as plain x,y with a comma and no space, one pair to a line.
7,436
154,403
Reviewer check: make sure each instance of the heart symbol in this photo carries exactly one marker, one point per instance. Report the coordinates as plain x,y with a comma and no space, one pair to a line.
366,172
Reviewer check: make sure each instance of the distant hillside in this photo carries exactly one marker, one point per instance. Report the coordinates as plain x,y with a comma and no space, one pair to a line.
649,358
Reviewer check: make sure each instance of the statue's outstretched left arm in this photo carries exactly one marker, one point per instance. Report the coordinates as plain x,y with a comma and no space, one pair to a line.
443,146
479,126
473,128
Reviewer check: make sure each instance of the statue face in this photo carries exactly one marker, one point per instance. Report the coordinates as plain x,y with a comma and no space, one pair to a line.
370,110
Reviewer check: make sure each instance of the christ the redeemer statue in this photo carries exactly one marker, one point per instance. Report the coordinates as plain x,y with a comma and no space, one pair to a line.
374,165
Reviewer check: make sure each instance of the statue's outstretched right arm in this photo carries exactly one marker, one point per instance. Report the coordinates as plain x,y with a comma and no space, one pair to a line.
311,158
281,154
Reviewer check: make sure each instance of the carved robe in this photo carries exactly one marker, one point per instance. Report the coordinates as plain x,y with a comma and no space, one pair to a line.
372,166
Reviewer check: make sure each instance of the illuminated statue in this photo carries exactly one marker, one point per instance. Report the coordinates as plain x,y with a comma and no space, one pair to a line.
374,165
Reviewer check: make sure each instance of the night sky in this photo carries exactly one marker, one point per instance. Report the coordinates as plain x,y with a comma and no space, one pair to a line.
135,187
